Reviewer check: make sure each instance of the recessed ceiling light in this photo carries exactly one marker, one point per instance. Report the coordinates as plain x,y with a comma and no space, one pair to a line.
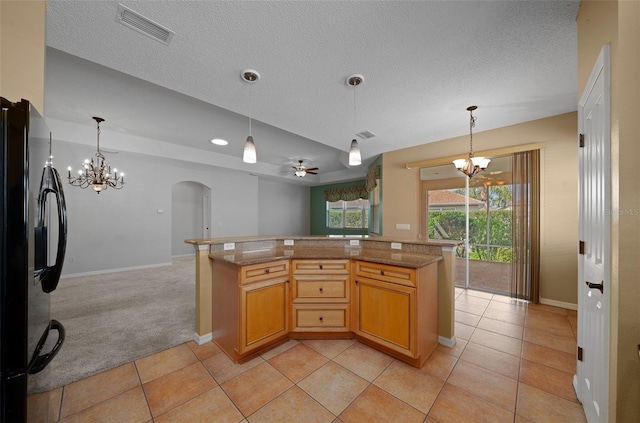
218,141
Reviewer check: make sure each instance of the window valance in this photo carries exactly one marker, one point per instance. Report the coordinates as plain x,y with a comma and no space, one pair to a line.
351,193
372,175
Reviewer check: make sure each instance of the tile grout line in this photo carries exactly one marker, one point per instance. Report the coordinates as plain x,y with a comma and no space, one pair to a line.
144,392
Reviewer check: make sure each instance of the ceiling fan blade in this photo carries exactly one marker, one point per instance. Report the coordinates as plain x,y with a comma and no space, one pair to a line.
312,173
312,168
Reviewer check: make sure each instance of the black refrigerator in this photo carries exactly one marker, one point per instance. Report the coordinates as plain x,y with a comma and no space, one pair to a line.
33,232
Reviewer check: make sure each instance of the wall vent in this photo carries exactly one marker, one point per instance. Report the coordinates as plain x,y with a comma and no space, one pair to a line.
137,22
365,135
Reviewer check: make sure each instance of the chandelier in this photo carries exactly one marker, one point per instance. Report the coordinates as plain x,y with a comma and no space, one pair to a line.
472,165
96,173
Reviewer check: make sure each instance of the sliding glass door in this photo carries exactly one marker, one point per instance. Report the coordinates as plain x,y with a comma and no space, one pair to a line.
452,203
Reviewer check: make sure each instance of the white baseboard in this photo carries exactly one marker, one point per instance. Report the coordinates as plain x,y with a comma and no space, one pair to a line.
561,304
183,255
447,342
202,339
121,269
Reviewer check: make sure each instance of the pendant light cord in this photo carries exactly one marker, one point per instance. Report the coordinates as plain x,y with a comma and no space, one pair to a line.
250,111
98,142
354,109
472,124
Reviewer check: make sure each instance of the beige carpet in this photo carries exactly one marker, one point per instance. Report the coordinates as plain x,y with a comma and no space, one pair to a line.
115,318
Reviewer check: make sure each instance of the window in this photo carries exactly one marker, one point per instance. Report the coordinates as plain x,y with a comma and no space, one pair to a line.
348,214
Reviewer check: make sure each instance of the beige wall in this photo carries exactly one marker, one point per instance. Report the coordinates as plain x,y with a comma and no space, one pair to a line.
22,46
559,192
618,23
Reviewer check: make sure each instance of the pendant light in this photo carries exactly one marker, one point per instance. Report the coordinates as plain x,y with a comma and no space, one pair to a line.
249,154
355,159
472,165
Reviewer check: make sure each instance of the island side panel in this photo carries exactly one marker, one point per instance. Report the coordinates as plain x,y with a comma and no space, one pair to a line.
428,311
226,303
203,295
446,296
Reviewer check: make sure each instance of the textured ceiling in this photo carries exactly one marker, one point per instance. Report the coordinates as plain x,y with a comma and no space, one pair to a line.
423,63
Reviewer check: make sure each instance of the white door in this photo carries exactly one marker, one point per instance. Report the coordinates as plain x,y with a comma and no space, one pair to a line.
594,290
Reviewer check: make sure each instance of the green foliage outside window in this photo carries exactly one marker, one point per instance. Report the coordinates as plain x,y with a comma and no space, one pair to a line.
348,214
450,224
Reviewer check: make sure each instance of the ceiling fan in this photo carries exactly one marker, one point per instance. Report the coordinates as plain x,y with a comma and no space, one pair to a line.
301,170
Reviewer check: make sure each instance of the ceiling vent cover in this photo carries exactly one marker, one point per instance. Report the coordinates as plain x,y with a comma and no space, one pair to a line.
137,22
365,135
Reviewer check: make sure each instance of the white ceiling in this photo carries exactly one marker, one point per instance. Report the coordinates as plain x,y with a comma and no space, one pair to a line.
423,63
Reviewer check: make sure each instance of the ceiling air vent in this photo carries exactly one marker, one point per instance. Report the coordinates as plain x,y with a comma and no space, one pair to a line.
143,25
365,135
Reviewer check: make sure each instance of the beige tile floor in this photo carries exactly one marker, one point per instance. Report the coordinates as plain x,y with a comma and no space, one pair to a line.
513,362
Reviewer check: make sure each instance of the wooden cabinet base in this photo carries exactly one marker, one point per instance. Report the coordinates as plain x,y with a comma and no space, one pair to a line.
416,362
243,358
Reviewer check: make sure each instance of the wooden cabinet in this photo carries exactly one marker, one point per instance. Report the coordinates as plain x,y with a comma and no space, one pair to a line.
250,307
395,309
391,308
320,298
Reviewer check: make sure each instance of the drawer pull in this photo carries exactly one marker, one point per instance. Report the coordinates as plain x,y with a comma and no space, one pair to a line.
321,318
320,267
382,272
321,289
287,281
266,270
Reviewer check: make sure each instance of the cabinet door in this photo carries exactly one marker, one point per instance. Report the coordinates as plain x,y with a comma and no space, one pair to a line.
385,313
264,313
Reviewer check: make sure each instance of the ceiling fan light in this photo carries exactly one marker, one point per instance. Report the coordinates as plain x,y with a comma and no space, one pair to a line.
249,154
300,173
354,154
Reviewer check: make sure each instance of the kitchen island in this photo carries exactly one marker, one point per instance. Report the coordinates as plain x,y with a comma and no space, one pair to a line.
255,292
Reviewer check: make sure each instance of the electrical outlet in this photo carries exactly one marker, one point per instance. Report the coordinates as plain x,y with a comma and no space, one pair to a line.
396,246
354,242
288,242
404,226
229,246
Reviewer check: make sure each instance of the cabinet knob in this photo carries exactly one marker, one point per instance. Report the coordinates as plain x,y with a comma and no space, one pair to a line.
320,267
321,318
266,270
287,281
321,289
382,272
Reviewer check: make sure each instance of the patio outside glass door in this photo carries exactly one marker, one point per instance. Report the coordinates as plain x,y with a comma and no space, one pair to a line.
485,263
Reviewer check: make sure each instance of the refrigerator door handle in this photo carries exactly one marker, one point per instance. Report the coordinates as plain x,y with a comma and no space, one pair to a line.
50,183
40,361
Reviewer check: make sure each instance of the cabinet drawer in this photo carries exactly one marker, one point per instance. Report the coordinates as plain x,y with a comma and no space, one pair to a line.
317,289
321,319
262,271
385,272
320,267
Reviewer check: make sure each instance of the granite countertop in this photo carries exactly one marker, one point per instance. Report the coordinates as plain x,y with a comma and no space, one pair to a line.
394,258
257,238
